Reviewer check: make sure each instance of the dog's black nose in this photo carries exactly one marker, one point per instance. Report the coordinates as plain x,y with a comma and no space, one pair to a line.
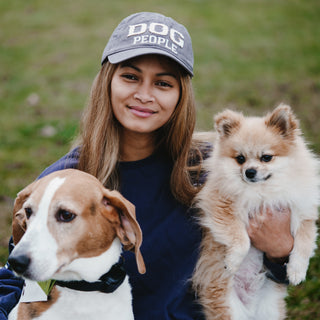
251,173
19,263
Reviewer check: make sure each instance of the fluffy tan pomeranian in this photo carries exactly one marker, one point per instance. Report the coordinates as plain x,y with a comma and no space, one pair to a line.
258,164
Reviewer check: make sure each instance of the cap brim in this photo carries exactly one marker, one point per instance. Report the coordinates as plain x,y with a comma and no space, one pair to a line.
132,53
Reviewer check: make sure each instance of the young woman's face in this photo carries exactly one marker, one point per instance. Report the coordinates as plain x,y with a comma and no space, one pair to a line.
144,93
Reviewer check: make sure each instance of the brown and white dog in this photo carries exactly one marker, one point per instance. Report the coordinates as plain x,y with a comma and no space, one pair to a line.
258,164
68,227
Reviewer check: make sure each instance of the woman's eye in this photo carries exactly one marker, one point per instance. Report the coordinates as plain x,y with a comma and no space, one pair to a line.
241,159
129,77
266,158
164,84
28,212
65,216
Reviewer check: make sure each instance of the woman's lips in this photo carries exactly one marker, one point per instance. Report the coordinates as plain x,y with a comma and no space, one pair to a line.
141,112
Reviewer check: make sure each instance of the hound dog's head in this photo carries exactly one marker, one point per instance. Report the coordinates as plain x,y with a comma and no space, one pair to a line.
67,226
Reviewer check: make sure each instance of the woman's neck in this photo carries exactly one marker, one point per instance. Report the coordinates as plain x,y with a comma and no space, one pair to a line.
136,146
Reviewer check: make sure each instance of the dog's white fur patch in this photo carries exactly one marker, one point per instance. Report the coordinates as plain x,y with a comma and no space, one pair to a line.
38,243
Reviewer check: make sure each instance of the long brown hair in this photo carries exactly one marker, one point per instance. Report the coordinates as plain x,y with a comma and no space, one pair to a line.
99,137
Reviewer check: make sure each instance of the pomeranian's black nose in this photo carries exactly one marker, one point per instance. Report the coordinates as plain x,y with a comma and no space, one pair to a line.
251,173
19,263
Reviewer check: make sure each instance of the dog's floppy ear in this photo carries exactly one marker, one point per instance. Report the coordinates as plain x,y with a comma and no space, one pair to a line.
19,225
129,231
283,121
227,122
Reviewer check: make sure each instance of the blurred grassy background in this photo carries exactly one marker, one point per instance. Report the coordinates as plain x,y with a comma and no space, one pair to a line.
249,55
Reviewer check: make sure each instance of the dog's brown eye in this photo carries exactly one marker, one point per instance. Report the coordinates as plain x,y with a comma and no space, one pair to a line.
266,158
65,216
241,159
28,212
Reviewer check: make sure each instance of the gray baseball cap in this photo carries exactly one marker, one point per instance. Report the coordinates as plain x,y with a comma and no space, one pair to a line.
150,33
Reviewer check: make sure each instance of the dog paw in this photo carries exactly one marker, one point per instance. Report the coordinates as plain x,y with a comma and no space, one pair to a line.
295,274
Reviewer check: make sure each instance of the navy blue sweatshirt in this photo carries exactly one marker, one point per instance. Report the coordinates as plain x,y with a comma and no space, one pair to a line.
170,245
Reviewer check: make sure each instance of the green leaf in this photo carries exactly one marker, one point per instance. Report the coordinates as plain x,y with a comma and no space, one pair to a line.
47,286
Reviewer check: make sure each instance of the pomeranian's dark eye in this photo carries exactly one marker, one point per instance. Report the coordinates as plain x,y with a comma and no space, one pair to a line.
241,159
266,158
65,216
28,212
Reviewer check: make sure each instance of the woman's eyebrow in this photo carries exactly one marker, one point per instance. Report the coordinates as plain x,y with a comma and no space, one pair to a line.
167,74
129,65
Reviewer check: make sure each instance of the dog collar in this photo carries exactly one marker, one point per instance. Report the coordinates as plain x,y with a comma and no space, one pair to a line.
107,283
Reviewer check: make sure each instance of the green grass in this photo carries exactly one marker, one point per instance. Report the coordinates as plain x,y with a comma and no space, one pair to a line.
249,55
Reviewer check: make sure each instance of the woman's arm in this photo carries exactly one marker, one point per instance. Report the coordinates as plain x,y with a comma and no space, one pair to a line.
10,289
70,160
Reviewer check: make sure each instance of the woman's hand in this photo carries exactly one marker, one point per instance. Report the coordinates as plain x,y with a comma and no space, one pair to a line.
270,233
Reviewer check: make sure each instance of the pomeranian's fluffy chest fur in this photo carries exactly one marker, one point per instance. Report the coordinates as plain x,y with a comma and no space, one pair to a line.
257,164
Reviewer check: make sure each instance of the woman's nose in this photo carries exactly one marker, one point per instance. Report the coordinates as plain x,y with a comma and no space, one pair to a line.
144,94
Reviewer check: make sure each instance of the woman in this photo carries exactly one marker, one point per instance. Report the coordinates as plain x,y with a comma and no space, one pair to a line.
136,136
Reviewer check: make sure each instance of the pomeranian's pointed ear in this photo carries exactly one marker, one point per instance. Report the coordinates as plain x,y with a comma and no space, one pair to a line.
284,121
227,122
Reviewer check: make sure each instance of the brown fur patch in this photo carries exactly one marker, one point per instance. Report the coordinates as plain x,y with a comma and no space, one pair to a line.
31,310
99,235
209,282
93,209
